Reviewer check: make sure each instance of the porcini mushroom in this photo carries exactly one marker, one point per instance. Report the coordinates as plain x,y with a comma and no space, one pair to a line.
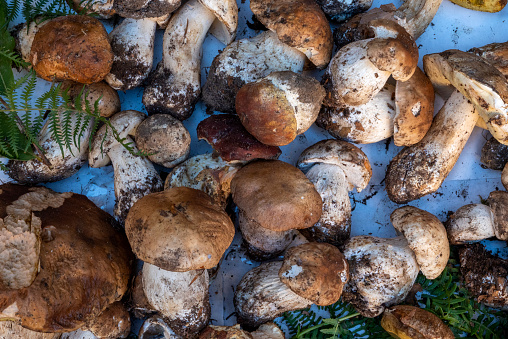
171,232
342,10
335,168
107,99
12,330
174,87
135,176
274,198
279,107
265,331
310,273
139,9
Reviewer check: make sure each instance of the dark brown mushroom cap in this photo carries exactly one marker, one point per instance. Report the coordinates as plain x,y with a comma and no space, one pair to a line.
179,230
73,47
277,195
498,202
298,23
397,55
231,140
315,271
85,265
404,321
494,154
496,54
114,322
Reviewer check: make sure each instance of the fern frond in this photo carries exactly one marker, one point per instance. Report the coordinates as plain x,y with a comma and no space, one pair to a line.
13,57
54,124
13,9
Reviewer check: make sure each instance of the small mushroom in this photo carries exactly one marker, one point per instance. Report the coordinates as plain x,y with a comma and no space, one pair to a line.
274,198
165,138
404,321
494,154
335,168
107,99
179,234
265,331
114,322
174,87
476,222
134,176
72,47
310,273
279,107
342,10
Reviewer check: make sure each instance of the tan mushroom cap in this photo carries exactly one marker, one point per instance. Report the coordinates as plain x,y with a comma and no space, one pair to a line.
315,271
83,257
277,195
74,48
414,109
174,229
300,24
107,98
114,322
426,236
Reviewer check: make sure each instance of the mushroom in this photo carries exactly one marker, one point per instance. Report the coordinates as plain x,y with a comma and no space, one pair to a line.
135,176
114,322
179,234
174,87
83,256
107,99
140,9
102,8
265,331
484,275
63,162
421,168
335,168
72,47
404,321
274,199
495,54
24,36
165,139
156,327
383,271
342,10
279,107
494,154
298,30
310,273
491,6
12,330
476,222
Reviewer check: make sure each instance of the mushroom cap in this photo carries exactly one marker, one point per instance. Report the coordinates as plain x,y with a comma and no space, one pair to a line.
472,222
73,47
352,160
224,27
102,8
498,202
231,140
165,137
114,322
224,332
279,107
494,154
108,98
139,9
496,54
277,195
300,24
13,330
382,272
405,321
315,271
414,109
83,256
426,236
173,230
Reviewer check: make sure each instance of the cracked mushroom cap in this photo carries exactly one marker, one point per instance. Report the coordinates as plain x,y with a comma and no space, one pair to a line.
426,236
279,107
315,271
173,230
300,24
276,195
83,256
73,47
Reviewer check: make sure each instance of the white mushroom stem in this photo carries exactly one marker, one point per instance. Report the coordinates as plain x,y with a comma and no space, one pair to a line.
261,296
79,334
473,222
416,15
420,169
132,43
181,297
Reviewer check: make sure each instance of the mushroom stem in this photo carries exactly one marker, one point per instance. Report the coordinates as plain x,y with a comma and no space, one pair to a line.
416,15
175,86
420,169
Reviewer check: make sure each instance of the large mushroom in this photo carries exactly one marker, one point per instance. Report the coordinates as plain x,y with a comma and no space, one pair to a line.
135,176
334,167
274,199
312,273
83,255
174,87
179,234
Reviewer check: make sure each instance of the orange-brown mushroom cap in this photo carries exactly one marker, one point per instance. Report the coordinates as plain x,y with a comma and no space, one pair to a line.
300,24
276,195
315,271
179,230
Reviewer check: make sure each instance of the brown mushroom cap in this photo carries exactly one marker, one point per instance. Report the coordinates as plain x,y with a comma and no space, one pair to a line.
277,195
85,266
114,322
404,321
74,48
315,271
498,202
139,9
298,23
231,140
179,230
108,98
